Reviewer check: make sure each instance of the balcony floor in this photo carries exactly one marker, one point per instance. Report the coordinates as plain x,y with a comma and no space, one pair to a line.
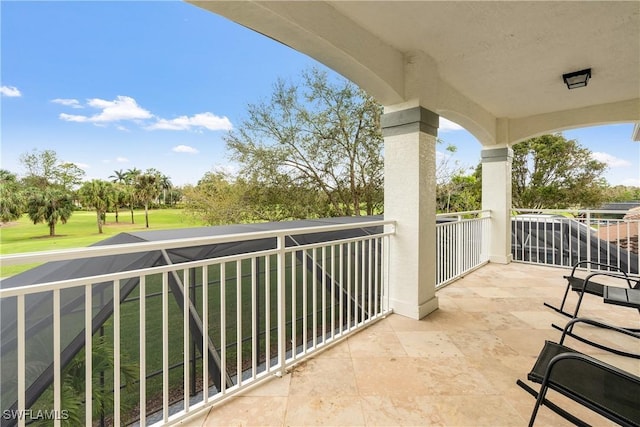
457,367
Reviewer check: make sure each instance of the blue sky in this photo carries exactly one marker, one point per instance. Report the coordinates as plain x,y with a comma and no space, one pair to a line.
121,85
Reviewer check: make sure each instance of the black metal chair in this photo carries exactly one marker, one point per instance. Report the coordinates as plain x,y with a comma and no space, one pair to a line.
587,285
599,386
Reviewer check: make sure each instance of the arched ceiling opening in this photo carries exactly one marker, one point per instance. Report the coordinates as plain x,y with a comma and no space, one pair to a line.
493,67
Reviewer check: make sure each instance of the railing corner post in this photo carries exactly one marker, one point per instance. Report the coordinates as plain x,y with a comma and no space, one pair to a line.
281,295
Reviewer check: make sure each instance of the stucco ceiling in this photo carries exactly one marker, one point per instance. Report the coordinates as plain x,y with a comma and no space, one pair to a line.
495,67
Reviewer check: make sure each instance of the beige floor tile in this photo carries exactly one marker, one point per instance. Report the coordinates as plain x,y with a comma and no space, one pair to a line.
401,411
248,411
324,411
428,344
323,377
375,344
456,367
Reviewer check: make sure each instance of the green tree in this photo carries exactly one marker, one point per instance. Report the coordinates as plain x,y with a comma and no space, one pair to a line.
11,197
216,199
550,171
68,175
461,193
99,195
130,181
119,178
321,135
49,205
147,189
165,185
40,168
452,187
622,193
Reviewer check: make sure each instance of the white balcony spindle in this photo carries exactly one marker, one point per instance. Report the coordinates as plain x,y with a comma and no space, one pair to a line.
185,339
57,371
165,347
282,320
205,334
223,327
21,356
88,355
239,334
143,350
305,296
267,312
116,353
254,320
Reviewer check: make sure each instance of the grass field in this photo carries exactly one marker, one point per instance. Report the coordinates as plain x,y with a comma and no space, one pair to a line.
81,230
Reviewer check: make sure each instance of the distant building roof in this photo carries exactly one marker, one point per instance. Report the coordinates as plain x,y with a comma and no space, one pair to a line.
620,206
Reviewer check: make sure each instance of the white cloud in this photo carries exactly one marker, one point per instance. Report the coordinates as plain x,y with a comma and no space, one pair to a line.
122,108
447,125
122,160
611,161
202,120
73,103
125,108
10,91
184,149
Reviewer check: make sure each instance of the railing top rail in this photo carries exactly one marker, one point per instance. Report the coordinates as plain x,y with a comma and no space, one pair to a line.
450,214
127,248
571,211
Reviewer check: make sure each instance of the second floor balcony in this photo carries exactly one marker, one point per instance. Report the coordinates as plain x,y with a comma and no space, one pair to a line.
275,298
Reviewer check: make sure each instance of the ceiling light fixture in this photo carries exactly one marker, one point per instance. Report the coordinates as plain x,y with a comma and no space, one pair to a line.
577,78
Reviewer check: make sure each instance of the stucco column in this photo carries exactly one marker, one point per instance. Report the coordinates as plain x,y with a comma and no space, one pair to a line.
496,197
410,199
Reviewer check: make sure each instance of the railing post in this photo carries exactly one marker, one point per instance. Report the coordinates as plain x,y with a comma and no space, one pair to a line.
282,318
588,239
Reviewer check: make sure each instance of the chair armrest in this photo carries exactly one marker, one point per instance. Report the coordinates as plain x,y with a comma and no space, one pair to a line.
599,264
624,277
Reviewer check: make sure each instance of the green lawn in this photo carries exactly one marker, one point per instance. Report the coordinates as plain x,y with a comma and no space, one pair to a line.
81,230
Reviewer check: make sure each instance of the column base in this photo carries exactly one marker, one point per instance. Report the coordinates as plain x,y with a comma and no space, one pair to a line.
496,259
413,312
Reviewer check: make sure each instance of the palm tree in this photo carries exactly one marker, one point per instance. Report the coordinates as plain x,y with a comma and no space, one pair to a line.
130,180
147,188
50,205
11,198
98,194
165,184
119,178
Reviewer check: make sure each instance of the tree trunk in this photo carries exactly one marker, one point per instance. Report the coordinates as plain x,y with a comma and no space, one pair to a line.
116,213
146,213
52,229
132,221
99,215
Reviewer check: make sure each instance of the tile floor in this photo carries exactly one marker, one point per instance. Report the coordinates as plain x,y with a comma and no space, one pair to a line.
457,367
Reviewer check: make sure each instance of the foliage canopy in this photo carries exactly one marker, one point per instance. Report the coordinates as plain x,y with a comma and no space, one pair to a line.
321,137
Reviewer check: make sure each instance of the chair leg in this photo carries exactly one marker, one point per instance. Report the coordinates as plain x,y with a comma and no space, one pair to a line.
564,300
575,313
539,400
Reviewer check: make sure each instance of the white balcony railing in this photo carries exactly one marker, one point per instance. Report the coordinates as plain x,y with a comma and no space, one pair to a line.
562,238
462,239
252,314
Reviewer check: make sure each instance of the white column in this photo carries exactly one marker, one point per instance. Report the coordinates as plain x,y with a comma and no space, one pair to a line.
496,197
409,199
